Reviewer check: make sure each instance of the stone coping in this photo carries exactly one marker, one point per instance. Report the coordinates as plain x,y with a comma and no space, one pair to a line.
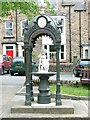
44,117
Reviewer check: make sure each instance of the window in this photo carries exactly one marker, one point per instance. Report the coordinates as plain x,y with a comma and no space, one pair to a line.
9,47
6,58
47,43
8,28
51,52
60,21
86,53
62,51
53,4
23,51
62,25
24,23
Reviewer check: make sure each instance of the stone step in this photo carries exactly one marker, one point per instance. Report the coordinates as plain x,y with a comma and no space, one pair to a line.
43,117
51,108
43,110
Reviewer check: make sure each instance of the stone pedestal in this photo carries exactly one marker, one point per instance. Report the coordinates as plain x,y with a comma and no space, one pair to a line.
44,96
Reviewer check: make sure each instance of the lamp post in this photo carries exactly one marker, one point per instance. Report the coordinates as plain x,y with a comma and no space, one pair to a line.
67,3
79,7
16,22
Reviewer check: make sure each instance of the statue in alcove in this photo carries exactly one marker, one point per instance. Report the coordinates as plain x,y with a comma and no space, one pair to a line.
43,61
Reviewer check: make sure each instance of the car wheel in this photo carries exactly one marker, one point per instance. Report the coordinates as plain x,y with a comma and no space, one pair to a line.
76,75
11,73
74,72
8,71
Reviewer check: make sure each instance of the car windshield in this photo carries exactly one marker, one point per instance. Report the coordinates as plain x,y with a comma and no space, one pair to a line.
85,62
18,60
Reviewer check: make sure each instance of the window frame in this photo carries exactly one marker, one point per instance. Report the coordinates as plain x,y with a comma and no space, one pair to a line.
52,4
7,28
22,28
85,48
63,52
54,52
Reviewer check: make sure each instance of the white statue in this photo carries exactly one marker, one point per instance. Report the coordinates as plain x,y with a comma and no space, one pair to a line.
43,62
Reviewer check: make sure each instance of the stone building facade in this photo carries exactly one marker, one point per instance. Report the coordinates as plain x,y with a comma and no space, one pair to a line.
11,38
75,38
12,41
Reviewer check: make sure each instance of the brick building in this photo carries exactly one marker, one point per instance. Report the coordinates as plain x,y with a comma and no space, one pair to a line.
12,37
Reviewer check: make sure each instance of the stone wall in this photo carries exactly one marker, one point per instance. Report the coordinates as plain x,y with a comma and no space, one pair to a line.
64,67
74,30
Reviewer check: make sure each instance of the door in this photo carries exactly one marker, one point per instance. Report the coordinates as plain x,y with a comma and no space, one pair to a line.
10,51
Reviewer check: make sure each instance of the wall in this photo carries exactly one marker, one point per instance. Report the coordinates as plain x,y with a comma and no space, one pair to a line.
64,67
74,30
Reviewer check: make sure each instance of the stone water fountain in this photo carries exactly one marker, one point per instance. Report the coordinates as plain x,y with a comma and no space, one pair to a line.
44,96
43,105
41,25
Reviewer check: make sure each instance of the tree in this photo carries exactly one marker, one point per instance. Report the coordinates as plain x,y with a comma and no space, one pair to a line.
29,8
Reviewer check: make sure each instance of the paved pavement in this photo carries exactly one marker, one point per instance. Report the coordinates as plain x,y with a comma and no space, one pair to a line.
81,107
8,92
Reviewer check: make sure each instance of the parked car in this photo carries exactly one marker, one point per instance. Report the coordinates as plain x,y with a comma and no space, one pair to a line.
81,64
5,64
18,66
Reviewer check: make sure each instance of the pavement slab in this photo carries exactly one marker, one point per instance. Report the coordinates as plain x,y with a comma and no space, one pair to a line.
81,107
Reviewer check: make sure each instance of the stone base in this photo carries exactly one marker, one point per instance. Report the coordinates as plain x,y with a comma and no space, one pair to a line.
44,99
35,108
